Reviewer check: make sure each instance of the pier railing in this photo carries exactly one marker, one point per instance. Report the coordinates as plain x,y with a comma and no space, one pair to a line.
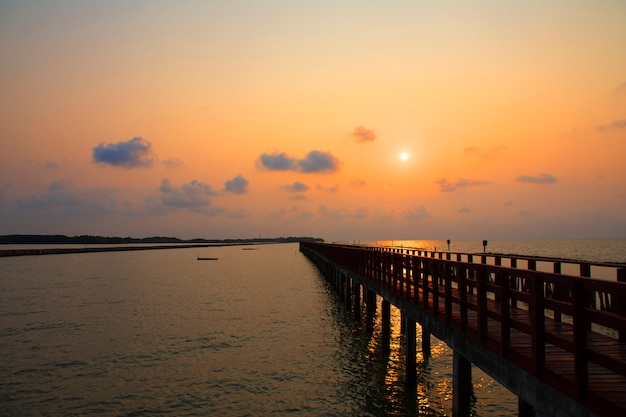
568,331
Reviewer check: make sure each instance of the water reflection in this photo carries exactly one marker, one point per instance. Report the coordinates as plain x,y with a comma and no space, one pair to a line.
382,381
431,396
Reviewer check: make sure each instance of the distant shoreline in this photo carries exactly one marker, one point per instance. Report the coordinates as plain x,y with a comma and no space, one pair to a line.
112,244
112,240
59,251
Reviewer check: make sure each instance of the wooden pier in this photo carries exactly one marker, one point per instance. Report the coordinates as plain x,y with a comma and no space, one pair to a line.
556,341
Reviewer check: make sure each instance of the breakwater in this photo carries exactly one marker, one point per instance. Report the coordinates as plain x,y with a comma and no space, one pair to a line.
59,251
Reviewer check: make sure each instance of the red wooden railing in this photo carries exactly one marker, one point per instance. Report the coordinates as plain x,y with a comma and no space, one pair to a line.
568,331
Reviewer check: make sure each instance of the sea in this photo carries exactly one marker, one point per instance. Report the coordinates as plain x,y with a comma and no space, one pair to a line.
253,333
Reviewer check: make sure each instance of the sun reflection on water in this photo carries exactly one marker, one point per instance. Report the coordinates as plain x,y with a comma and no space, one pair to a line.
432,394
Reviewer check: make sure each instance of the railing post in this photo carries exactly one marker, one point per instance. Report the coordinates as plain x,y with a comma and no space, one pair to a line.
463,296
435,280
447,281
505,313
621,303
581,376
481,295
585,271
557,291
425,289
537,323
410,273
405,273
417,278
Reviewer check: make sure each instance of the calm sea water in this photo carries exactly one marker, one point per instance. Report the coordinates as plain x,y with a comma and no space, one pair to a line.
255,333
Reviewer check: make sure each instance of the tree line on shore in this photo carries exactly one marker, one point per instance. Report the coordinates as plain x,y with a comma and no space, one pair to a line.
89,239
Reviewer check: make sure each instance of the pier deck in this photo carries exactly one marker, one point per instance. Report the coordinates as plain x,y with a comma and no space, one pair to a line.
566,333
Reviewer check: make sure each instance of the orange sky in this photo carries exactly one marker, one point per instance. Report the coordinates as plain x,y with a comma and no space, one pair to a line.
142,118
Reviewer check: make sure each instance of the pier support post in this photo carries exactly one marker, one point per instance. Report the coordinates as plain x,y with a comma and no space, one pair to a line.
461,386
425,341
341,282
356,291
370,310
411,365
524,409
385,316
347,290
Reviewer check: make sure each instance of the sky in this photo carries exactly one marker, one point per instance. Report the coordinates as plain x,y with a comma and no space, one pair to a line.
341,119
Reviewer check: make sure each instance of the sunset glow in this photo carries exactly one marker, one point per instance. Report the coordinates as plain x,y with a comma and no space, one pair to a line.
343,120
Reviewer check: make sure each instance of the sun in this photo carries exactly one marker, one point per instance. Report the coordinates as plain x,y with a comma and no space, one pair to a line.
404,156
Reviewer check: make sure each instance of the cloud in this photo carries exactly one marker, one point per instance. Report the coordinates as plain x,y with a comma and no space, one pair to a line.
317,161
238,185
136,152
173,163
362,134
540,179
331,189
333,213
313,162
358,183
417,213
277,215
4,192
59,194
51,165
193,194
488,153
445,186
277,161
61,199
298,197
58,185
296,187
614,125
